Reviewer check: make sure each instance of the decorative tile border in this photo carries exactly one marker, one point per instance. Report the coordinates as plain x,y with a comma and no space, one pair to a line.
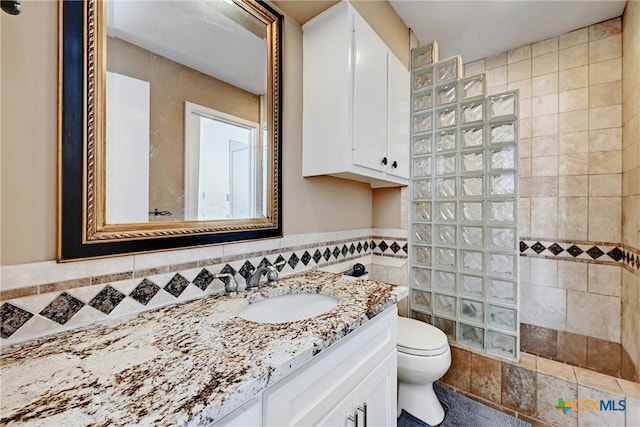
43,309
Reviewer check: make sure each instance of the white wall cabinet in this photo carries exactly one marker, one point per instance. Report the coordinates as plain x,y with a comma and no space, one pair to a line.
355,102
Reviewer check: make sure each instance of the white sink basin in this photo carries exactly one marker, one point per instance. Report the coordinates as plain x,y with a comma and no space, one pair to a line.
288,308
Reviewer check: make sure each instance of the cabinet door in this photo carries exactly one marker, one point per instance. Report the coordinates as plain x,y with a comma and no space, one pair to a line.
399,118
337,416
379,392
369,96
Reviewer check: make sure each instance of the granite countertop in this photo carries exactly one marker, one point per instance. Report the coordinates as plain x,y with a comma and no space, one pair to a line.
185,364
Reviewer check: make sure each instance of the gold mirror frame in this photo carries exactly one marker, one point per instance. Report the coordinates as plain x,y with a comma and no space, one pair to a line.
82,148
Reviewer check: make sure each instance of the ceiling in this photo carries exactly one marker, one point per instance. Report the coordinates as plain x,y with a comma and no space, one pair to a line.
479,29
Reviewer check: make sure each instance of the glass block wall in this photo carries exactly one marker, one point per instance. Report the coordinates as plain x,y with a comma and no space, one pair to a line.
464,240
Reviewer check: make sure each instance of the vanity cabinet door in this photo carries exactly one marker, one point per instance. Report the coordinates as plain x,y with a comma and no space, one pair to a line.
379,392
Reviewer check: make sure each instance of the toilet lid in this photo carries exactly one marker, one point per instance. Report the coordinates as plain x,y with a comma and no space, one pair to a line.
420,339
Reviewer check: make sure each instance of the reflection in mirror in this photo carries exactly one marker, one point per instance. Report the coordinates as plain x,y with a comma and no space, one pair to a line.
169,125
185,112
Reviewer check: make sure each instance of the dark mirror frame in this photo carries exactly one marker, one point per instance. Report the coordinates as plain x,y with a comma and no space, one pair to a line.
81,125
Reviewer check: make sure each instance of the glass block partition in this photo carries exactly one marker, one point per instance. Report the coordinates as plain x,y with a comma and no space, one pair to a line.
464,240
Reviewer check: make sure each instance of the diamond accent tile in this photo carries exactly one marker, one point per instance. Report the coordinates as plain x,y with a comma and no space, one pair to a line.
317,256
327,254
203,279
344,250
405,248
383,246
176,285
293,260
63,308
228,269
280,263
306,257
359,247
373,245
595,252
352,249
616,254
145,291
336,252
366,246
264,263
12,319
523,246
107,299
555,249
246,270
538,247
395,247
574,251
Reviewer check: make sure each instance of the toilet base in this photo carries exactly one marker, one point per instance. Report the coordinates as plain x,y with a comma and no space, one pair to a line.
420,401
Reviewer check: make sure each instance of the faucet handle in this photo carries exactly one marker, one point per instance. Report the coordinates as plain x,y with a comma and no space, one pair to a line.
230,285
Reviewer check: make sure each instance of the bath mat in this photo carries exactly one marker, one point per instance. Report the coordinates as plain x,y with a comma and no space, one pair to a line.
463,412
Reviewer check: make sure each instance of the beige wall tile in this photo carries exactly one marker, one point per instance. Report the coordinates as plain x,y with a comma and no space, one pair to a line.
574,142
524,111
605,94
544,125
544,217
605,162
544,105
544,166
524,86
605,185
573,186
605,139
524,218
544,186
603,49
577,99
549,388
525,128
544,85
475,67
544,145
525,269
605,71
599,418
572,275
524,187
574,121
572,218
544,64
497,76
605,117
605,279
544,272
524,147
593,315
574,56
519,54
605,29
574,38
573,78
545,46
605,214
499,60
517,71
546,307
573,164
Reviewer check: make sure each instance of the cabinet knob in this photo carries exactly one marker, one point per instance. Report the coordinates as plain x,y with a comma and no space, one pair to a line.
384,161
394,164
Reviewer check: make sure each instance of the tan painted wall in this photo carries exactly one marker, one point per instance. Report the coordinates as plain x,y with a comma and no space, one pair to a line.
172,84
29,138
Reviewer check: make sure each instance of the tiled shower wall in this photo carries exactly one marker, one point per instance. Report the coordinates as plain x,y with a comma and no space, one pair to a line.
631,177
571,188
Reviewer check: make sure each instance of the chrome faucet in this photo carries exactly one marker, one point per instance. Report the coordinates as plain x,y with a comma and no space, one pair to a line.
271,273
230,284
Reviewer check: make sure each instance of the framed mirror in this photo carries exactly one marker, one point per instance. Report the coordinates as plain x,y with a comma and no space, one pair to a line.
169,116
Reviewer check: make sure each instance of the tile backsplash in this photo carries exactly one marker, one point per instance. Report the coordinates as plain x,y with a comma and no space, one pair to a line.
32,305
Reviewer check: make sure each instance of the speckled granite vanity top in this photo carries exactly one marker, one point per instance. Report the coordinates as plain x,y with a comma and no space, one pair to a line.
185,364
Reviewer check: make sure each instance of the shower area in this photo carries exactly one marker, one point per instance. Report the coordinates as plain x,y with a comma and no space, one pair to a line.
464,235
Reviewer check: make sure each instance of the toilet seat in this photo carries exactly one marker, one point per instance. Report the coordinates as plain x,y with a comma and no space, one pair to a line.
420,339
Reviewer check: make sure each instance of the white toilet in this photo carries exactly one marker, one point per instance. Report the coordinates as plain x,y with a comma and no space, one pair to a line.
423,357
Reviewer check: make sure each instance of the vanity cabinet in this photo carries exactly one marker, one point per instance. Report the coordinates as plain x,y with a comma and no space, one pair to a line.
355,102
332,389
